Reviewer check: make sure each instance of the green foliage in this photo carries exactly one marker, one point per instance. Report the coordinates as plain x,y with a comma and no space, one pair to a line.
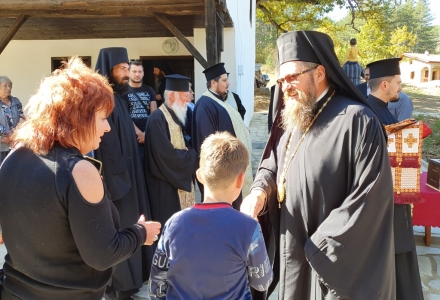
371,41
287,15
265,44
431,144
417,17
383,28
401,41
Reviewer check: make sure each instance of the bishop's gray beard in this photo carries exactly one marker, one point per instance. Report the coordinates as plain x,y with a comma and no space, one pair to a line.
298,113
180,111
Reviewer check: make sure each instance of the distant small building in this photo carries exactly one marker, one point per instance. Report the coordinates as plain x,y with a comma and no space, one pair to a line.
418,68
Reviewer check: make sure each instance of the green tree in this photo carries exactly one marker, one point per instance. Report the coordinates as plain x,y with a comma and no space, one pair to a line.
401,41
372,41
286,15
418,19
265,42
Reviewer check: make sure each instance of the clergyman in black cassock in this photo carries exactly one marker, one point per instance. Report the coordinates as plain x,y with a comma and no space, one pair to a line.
385,87
331,234
169,166
123,175
209,116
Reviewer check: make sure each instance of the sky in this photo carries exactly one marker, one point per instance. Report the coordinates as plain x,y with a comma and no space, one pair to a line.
434,7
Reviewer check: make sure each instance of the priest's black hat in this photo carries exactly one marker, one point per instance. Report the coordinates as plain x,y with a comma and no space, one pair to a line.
215,71
163,66
177,83
384,68
110,57
317,47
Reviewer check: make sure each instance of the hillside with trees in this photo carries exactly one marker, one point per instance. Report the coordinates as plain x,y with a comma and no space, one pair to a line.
383,28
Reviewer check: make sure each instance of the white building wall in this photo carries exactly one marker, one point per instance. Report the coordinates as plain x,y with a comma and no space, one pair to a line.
238,54
244,27
227,56
27,62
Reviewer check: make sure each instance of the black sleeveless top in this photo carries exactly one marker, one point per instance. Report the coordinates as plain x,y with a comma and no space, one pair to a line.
59,245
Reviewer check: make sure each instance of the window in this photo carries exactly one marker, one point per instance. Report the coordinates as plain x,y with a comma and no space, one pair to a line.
56,62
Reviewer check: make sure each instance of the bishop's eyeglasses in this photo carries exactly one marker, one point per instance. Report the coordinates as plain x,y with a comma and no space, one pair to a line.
291,78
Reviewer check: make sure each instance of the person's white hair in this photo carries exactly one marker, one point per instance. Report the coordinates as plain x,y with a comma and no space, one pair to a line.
177,107
5,79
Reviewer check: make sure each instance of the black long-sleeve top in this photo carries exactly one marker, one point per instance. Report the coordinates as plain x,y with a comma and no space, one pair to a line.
60,246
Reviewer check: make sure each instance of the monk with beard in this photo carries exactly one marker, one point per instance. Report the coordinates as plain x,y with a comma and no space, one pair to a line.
323,193
122,173
170,163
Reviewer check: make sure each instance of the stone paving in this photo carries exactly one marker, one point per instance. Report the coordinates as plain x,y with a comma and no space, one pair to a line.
429,257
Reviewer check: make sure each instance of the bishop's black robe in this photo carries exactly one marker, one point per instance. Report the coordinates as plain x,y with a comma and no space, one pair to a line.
166,169
333,234
124,179
408,284
208,118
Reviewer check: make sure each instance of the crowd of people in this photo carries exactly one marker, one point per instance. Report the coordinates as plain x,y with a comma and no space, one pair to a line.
102,174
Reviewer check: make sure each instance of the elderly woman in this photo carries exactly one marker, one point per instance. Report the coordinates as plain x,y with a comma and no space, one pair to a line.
60,228
10,113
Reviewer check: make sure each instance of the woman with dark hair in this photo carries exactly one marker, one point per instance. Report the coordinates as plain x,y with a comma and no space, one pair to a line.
60,228
11,113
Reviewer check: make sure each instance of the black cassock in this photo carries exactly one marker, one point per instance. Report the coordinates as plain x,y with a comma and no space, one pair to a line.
124,179
166,169
333,234
210,117
408,284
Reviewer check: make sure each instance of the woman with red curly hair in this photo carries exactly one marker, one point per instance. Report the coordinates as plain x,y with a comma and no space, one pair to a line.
59,226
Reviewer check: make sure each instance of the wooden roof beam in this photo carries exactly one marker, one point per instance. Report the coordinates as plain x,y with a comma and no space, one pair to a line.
102,11
179,35
12,31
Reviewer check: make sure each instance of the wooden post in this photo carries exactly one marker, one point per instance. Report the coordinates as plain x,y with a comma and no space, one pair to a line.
12,31
211,32
428,235
179,35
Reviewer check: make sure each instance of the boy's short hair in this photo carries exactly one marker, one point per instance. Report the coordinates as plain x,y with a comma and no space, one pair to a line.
353,42
222,158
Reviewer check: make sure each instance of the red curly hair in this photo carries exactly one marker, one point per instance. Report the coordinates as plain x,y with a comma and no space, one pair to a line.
64,107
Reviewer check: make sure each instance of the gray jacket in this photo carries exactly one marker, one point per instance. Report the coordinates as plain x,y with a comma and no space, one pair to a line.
16,109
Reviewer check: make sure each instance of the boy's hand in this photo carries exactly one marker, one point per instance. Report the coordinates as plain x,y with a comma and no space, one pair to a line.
152,229
253,203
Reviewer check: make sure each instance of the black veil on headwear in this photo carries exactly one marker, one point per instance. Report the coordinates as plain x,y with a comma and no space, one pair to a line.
110,57
315,47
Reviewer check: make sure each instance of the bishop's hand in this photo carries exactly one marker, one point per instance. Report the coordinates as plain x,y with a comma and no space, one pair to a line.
253,203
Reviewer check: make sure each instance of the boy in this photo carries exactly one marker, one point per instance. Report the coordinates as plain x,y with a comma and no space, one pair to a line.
212,251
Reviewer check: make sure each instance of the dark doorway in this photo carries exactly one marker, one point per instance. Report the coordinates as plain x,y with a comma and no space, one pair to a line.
57,62
183,65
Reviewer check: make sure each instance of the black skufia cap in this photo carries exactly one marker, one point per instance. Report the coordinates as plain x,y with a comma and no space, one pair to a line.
110,57
177,83
384,68
215,71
